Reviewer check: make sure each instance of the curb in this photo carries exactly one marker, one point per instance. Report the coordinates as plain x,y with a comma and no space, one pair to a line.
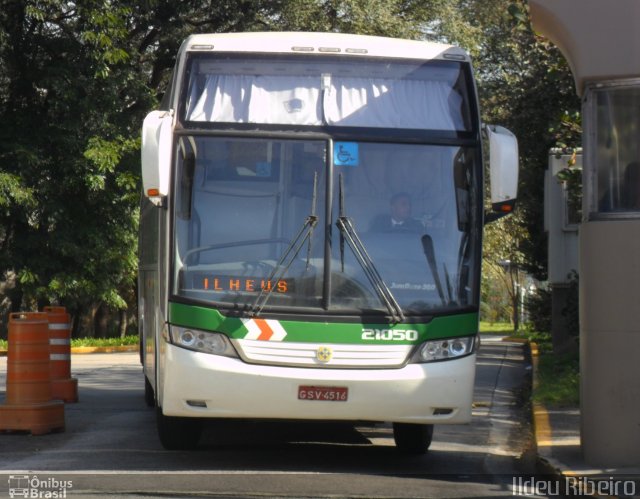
540,417
86,350
543,435
542,431
514,339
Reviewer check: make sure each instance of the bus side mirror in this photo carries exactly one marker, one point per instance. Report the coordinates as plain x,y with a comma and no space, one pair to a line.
156,155
503,169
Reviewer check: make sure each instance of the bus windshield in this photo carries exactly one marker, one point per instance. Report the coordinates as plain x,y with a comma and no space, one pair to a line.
270,223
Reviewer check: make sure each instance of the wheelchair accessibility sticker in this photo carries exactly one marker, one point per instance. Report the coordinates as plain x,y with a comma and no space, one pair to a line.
346,154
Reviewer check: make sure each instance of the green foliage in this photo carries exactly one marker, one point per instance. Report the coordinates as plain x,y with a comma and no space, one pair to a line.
105,342
13,192
568,131
495,305
395,18
525,84
571,178
93,342
558,381
541,96
505,328
571,310
71,100
503,278
76,80
538,306
541,338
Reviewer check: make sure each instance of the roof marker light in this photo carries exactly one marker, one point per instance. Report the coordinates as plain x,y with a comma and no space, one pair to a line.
201,47
302,49
455,57
356,51
329,49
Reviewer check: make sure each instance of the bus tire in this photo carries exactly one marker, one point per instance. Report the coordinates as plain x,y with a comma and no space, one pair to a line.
149,395
178,433
412,438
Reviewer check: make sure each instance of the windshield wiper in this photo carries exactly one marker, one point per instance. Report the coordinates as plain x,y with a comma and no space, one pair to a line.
427,246
348,233
290,254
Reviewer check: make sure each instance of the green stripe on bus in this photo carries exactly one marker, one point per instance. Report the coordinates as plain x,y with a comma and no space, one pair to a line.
210,319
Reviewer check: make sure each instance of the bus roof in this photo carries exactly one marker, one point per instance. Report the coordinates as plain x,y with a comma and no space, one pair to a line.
321,43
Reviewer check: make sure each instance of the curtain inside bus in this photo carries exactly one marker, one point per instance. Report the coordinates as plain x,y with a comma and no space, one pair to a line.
327,100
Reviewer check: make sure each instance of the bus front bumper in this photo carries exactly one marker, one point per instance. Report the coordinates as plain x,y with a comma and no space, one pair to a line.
202,385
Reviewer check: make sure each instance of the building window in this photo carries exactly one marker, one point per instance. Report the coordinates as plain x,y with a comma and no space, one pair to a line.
615,152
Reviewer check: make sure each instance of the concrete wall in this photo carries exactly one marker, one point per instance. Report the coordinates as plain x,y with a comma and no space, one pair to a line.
610,342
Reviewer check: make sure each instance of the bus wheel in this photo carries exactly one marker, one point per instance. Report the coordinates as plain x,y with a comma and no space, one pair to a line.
178,433
412,438
149,396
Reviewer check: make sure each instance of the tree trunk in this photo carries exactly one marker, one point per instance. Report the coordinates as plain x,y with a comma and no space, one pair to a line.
515,317
91,322
74,324
123,322
101,321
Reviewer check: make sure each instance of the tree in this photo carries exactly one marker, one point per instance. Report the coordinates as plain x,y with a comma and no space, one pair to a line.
77,78
64,90
394,18
503,261
524,84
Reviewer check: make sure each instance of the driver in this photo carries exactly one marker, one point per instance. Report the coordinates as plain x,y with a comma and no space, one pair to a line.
399,217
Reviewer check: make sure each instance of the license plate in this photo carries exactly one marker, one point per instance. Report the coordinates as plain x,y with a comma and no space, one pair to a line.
323,393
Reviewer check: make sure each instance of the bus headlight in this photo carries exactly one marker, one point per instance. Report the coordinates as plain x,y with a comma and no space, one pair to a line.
201,341
445,349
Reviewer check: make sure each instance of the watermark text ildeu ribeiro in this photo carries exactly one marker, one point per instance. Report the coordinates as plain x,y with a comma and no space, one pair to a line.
573,486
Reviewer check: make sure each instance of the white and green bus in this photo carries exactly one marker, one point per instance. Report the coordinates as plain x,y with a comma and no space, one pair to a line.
311,233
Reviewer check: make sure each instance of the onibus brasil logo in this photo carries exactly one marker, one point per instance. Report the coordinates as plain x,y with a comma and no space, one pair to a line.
34,487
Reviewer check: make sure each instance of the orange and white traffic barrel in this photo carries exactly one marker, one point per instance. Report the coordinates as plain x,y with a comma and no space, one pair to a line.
63,386
29,405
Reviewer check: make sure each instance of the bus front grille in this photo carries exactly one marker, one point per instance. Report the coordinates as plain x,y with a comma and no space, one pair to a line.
323,355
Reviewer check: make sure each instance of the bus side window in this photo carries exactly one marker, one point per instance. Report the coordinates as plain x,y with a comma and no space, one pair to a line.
462,181
186,186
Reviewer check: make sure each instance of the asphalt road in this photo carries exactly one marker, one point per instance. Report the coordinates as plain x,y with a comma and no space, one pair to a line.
110,446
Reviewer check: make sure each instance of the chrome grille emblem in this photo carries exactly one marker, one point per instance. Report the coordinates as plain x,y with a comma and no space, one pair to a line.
324,354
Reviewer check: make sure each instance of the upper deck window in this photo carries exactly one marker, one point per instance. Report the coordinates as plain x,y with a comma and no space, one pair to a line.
316,91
